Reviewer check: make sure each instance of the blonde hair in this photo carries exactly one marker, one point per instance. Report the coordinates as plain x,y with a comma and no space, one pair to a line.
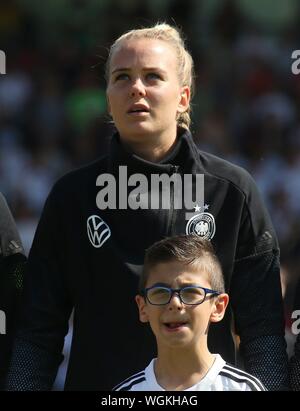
185,65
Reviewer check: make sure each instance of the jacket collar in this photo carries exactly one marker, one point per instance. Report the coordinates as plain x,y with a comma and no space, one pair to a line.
183,155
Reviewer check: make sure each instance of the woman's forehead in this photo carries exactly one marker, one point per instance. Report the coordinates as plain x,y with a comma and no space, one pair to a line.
148,52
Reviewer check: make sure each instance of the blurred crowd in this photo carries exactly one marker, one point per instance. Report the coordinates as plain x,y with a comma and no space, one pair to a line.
246,106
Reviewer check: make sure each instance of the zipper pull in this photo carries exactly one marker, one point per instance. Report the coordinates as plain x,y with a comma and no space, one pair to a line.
175,169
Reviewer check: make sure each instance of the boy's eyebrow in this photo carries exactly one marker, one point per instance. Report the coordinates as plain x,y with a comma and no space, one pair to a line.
184,284
160,285
190,285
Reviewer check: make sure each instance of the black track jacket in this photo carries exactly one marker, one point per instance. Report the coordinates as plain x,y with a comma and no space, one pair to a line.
90,259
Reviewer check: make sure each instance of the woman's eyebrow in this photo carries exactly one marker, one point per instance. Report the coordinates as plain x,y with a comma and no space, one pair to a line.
120,69
154,69
144,69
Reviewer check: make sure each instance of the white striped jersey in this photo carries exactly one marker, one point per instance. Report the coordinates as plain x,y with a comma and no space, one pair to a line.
220,377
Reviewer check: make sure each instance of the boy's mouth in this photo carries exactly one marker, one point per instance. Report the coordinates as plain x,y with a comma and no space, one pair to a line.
175,325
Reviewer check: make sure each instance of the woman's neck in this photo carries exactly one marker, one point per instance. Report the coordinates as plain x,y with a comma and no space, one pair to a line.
150,148
180,369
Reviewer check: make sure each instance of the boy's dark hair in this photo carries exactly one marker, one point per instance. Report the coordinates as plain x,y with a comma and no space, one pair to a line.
189,250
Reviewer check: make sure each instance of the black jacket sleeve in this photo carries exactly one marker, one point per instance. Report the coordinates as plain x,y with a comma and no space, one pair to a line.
256,295
12,261
294,365
46,307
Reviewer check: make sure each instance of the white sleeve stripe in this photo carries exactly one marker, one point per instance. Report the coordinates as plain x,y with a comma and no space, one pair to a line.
132,377
240,379
131,384
244,374
237,370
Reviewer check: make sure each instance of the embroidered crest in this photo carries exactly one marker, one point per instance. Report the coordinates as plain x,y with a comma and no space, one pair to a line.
202,224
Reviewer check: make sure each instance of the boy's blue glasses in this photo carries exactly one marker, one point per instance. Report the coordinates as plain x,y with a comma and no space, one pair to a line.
189,295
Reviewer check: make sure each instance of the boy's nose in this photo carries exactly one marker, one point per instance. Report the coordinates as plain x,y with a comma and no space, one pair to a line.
175,303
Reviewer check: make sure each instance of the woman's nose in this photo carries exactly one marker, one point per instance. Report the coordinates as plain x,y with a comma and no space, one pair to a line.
138,88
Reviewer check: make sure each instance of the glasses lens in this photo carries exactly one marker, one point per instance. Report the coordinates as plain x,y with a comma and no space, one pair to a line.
192,295
158,295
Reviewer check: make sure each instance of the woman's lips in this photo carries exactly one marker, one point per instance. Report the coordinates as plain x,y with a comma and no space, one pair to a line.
138,113
138,108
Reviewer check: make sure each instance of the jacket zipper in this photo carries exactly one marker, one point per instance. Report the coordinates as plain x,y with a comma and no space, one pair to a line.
173,212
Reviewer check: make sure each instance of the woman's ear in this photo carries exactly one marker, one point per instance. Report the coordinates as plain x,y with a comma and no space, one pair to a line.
142,306
219,307
184,101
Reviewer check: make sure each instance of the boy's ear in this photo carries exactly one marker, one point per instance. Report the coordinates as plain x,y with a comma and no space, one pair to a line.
219,308
142,306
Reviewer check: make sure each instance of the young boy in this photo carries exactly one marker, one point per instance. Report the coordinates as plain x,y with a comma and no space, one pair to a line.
181,293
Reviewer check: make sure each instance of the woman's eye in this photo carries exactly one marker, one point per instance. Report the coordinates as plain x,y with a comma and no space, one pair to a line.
153,76
122,76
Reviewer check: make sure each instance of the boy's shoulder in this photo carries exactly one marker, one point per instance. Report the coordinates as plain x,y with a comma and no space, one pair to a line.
131,382
235,379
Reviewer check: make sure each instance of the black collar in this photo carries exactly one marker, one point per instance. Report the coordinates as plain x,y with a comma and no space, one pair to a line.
183,155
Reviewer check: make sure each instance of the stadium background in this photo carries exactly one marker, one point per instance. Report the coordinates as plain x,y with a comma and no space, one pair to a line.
246,107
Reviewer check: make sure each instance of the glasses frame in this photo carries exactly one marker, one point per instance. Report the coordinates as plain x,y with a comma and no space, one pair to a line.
178,291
